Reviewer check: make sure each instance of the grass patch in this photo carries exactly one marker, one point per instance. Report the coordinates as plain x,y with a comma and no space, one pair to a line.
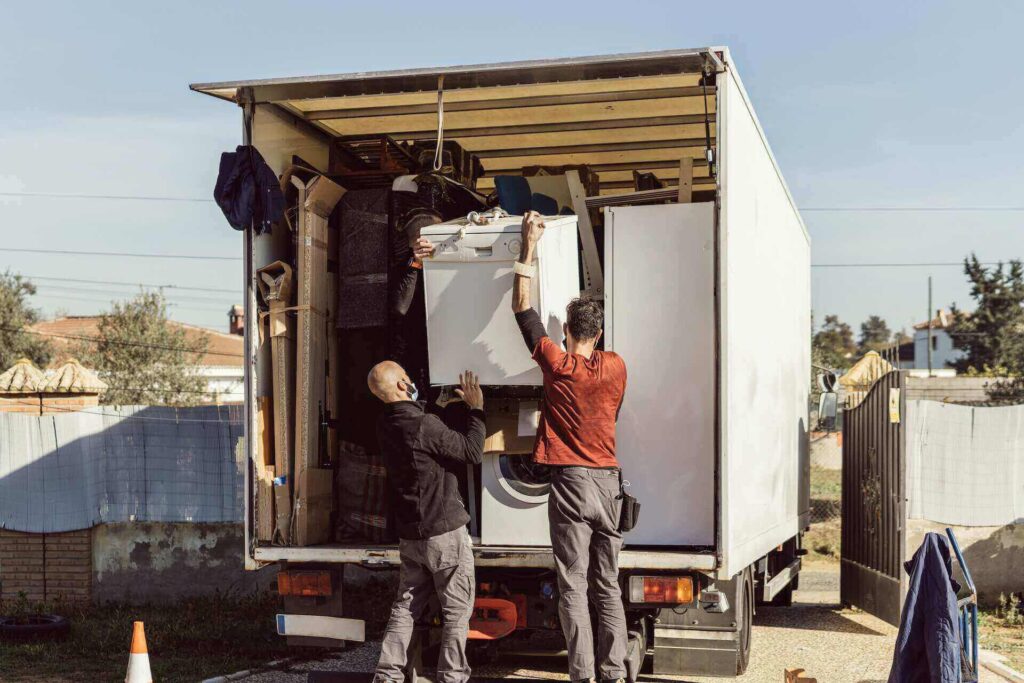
188,641
1002,630
822,540
826,483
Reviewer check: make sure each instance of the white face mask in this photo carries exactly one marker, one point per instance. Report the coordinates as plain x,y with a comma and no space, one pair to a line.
412,391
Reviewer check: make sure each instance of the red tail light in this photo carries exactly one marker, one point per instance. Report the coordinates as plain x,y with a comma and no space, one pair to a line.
674,590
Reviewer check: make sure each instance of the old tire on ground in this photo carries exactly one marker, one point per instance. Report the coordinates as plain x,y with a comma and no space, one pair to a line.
744,618
34,627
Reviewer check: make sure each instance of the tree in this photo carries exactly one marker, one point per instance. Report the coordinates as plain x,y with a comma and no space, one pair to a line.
833,344
15,315
874,335
143,357
992,337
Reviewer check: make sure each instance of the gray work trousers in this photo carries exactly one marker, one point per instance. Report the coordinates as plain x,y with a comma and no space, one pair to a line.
442,566
583,511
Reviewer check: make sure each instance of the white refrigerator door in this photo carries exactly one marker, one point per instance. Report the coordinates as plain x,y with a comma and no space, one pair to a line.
660,317
468,293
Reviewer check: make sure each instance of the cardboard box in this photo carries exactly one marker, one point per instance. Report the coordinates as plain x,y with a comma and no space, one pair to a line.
265,520
506,432
276,285
312,492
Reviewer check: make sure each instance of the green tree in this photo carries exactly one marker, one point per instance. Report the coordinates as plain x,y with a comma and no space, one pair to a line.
833,344
874,335
992,337
15,315
144,358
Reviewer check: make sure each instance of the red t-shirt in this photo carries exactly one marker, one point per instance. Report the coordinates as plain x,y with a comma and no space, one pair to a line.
582,397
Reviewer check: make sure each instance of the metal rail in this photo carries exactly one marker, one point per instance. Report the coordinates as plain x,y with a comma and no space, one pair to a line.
968,606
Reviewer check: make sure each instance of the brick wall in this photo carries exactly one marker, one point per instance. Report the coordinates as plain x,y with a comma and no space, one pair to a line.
25,403
64,403
46,566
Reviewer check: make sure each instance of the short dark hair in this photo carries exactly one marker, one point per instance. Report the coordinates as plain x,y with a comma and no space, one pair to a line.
584,318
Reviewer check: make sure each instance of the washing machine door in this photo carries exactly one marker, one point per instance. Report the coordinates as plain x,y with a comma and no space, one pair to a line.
523,479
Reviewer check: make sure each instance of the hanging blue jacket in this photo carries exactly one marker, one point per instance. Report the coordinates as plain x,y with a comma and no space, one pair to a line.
248,191
928,644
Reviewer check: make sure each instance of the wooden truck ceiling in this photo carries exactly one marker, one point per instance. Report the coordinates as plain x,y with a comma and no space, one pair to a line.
617,114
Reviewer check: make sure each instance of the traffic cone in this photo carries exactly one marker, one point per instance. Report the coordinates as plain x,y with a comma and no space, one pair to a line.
138,660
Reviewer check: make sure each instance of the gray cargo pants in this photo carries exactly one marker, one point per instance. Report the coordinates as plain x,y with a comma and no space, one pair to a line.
583,511
443,566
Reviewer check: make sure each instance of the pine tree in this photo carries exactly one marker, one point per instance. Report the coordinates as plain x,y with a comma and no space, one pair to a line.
144,358
15,316
874,335
992,337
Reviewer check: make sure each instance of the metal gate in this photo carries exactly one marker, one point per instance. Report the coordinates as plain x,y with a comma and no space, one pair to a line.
874,500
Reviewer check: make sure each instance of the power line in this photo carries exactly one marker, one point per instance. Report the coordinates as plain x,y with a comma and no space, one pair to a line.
164,347
207,200
99,300
126,417
131,284
119,197
958,264
68,252
122,294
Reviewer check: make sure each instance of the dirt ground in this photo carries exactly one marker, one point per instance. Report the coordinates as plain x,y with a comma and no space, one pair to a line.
832,644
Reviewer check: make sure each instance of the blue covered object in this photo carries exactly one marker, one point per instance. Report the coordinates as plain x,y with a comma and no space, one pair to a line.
928,644
248,191
517,196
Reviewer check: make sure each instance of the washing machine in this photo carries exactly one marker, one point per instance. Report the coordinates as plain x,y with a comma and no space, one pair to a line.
514,500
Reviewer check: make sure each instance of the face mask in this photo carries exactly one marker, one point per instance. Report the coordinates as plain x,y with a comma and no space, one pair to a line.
412,391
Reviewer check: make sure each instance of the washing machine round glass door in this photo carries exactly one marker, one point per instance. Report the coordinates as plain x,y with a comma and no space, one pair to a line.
522,478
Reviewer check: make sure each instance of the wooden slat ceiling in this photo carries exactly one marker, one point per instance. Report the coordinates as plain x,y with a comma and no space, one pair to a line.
615,125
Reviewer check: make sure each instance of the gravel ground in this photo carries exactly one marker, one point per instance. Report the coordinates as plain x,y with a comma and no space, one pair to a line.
832,644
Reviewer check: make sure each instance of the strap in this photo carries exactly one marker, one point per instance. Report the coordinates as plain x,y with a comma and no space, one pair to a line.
523,269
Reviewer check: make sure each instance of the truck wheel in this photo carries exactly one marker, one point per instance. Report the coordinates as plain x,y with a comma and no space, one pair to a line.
745,618
636,648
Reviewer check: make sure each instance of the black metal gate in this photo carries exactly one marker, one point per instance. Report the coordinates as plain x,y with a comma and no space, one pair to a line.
874,500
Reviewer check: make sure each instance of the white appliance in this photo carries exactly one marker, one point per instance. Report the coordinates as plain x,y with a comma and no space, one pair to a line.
514,500
468,288
665,436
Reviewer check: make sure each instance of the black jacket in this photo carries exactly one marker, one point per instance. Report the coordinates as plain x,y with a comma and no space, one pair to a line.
420,452
248,191
928,644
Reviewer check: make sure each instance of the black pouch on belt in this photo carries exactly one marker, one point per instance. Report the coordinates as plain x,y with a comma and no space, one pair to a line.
630,507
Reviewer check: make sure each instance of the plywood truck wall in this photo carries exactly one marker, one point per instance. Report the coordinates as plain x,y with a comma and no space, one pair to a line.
765,340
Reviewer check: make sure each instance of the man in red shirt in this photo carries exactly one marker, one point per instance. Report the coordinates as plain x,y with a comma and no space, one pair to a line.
583,390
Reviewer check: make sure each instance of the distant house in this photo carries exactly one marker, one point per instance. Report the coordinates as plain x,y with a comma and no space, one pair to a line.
221,364
944,354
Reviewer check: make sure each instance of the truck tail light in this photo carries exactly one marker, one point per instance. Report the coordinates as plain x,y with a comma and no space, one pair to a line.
304,583
664,590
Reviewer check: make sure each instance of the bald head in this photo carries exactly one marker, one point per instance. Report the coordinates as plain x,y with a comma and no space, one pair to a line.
389,382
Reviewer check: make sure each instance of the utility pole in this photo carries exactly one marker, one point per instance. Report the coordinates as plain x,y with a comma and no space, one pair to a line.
929,325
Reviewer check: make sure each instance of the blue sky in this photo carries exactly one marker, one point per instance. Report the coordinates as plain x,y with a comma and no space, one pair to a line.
865,104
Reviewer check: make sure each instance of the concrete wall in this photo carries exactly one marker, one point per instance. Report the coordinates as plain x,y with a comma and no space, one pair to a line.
160,562
949,389
994,555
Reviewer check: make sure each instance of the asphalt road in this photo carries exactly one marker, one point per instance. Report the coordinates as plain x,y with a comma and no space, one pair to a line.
832,644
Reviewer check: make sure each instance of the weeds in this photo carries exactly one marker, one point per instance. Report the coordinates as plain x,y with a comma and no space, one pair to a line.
1009,611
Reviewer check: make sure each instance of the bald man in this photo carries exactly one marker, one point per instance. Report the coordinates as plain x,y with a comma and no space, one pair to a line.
421,453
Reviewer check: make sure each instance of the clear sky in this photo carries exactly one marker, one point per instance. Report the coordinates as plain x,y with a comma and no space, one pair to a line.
865,104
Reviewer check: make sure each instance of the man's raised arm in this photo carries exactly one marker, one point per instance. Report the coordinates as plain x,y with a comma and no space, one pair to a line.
529,321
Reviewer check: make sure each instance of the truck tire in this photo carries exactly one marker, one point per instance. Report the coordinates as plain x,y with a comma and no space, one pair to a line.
744,619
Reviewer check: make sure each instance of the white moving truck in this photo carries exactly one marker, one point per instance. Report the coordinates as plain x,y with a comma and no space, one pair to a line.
706,280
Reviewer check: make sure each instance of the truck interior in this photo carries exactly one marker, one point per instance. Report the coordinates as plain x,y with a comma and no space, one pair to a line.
623,130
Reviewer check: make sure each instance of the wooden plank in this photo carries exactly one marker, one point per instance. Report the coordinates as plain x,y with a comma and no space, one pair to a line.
593,278
557,128
685,180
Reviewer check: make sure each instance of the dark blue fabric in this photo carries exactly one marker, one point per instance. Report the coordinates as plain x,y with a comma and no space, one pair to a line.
513,194
928,644
248,191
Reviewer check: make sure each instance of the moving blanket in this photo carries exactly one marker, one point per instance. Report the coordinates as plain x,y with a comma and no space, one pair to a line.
928,644
136,463
248,191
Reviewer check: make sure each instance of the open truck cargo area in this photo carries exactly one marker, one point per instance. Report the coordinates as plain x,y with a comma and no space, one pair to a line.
681,223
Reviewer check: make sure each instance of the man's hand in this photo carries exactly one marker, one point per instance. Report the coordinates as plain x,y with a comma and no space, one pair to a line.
422,248
469,390
533,228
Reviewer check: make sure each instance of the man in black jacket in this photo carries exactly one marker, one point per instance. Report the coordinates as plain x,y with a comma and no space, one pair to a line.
434,544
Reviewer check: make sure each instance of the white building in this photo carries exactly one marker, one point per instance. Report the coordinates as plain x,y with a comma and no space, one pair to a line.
944,354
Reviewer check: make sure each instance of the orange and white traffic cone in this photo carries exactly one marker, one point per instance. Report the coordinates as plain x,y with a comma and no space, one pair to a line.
138,660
